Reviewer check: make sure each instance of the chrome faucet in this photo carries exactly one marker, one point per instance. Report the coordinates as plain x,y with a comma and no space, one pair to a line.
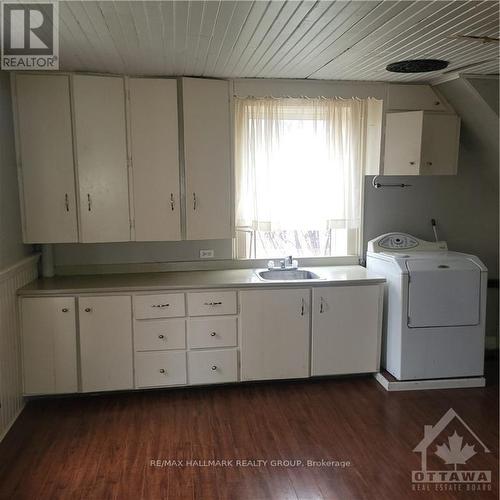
286,263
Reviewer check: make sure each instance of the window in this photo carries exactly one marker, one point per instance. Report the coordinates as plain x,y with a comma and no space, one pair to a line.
300,165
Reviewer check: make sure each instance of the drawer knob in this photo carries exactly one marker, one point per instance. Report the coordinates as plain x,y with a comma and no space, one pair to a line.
160,305
65,310
213,334
88,309
162,370
213,303
214,367
161,336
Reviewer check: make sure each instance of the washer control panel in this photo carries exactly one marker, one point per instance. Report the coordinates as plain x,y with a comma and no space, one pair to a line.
398,241
402,242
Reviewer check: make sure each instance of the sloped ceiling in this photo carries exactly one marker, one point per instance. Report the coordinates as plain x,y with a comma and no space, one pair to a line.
339,40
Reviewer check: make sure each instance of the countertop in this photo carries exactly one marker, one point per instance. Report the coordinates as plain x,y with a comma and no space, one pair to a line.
184,280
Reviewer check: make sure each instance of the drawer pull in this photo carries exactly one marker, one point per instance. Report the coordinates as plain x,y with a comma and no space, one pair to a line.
88,309
213,334
162,370
65,310
160,305
161,336
214,367
212,303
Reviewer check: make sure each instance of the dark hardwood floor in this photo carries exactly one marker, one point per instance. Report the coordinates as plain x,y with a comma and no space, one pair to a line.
100,447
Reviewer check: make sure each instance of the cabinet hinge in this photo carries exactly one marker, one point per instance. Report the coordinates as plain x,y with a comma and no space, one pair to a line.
132,223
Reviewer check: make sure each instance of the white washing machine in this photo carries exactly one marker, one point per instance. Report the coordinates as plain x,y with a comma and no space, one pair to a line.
434,310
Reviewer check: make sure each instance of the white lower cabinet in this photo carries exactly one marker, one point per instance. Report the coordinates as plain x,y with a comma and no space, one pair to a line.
160,335
159,368
212,332
269,339
106,343
275,334
49,345
346,327
213,366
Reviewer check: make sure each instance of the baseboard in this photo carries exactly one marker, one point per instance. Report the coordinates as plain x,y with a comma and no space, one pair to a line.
420,385
9,425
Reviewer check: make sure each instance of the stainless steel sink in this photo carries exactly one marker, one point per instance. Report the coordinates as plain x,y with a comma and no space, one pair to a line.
287,275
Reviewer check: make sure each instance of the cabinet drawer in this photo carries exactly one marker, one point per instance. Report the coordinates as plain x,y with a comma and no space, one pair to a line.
153,369
160,335
167,305
213,367
211,303
213,332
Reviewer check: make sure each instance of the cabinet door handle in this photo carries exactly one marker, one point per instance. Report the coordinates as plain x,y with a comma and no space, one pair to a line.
429,163
412,163
303,307
66,202
65,310
89,202
194,201
160,305
88,309
212,303
321,307
172,202
161,336
213,334
162,370
214,367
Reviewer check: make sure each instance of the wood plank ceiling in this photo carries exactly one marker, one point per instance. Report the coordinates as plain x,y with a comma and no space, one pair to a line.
338,40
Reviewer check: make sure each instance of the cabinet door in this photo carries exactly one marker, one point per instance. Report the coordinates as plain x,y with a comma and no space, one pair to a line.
99,114
207,154
440,143
106,343
346,330
45,151
403,143
49,345
274,334
155,159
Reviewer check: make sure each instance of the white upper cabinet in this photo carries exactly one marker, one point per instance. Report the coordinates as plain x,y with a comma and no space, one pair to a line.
101,152
154,148
45,153
405,97
421,143
207,156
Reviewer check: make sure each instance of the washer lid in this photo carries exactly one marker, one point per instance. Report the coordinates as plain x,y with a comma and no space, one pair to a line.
443,292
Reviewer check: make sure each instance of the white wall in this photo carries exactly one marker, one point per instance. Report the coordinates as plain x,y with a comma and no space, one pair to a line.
11,246
72,254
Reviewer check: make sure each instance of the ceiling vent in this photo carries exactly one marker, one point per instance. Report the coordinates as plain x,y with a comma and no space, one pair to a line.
417,66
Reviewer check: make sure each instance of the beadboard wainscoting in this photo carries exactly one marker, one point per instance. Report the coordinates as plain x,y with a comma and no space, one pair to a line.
11,400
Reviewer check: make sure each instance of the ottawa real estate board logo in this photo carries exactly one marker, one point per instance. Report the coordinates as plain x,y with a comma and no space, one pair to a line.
451,457
30,36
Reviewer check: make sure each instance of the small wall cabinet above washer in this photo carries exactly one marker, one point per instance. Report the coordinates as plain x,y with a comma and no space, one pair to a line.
421,143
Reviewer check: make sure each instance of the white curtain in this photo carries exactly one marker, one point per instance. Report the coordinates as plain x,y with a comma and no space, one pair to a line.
300,162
